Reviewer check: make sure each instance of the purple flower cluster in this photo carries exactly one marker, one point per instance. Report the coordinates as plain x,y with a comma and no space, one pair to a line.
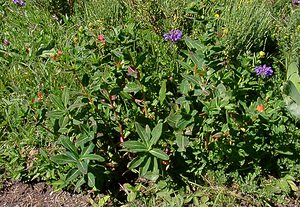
173,35
296,2
264,70
19,2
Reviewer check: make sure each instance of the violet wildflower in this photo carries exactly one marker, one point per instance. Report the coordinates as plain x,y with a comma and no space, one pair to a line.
264,70
173,35
296,2
19,2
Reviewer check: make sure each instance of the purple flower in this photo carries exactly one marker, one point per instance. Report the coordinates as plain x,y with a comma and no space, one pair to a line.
173,36
264,71
296,2
19,2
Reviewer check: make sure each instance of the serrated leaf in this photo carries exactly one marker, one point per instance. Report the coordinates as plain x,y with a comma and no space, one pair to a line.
155,134
91,179
159,154
135,146
162,92
136,162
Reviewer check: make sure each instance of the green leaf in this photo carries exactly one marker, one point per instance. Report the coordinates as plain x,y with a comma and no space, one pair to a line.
56,114
65,98
92,157
87,150
91,179
72,156
62,159
159,154
72,175
83,166
162,92
136,162
79,184
57,102
182,142
84,138
193,44
146,166
173,120
293,92
132,87
135,146
65,141
142,133
193,79
156,133
293,75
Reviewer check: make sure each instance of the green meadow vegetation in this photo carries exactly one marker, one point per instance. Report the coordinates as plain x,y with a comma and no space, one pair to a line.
153,103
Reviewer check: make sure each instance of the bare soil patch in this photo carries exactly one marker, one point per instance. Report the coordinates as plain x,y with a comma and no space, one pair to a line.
39,195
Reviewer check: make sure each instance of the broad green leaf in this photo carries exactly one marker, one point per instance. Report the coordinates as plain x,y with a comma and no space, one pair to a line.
57,102
56,114
173,120
72,175
193,44
156,133
162,92
79,184
193,79
65,141
293,75
87,150
293,92
92,157
135,146
142,133
91,179
182,142
62,159
132,87
146,166
72,156
159,154
83,166
136,162
65,98
198,59
83,139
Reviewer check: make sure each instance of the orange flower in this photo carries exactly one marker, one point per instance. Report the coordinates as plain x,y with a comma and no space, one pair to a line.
260,108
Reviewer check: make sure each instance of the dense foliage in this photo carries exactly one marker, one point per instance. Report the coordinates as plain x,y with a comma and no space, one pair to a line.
155,102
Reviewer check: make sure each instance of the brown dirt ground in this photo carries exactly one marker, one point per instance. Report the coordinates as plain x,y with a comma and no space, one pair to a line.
39,195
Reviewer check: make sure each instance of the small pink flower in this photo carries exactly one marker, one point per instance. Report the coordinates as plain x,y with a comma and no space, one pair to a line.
101,38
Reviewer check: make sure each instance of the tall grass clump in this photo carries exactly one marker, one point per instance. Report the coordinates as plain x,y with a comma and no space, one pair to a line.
246,25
